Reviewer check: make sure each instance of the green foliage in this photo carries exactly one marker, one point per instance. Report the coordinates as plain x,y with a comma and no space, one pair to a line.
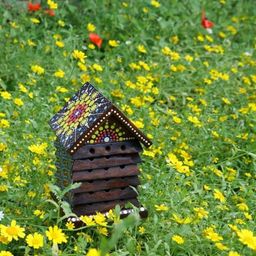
192,92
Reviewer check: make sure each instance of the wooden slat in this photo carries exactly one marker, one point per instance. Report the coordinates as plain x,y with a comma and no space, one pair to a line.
106,149
108,161
98,185
114,172
102,196
102,207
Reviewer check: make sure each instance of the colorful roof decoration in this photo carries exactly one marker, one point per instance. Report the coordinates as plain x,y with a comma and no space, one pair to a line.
85,120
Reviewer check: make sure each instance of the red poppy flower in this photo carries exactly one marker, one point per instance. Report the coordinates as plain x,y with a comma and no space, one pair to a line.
34,7
205,22
50,12
94,38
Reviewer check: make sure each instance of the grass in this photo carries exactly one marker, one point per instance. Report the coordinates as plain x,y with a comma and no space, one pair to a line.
192,92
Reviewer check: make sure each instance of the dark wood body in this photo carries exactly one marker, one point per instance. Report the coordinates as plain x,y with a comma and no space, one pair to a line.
109,176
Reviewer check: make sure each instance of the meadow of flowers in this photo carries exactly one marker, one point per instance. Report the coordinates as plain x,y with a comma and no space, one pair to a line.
191,91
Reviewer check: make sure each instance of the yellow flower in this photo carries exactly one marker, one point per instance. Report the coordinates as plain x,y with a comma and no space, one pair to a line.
246,237
61,23
61,89
18,102
88,238
22,88
82,66
166,50
219,196
145,10
3,188
91,46
100,219
212,235
3,147
195,121
175,39
142,230
37,69
233,227
243,207
93,252
247,216
155,3
5,253
87,220
226,101
4,123
180,220
35,240
174,55
38,148
12,232
201,212
97,67
70,225
188,58
56,235
60,44
138,124
161,208
31,43
6,95
176,120
52,5
113,43
178,239
85,78
221,246
35,21
233,253
90,27
59,73
39,213
173,68
103,231
117,93
141,48
79,55
231,29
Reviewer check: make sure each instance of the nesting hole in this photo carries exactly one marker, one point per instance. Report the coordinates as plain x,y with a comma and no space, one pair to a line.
107,157
92,150
106,168
91,159
122,166
107,148
123,147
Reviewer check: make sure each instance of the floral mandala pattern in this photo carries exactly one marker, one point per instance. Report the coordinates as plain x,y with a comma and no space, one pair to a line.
109,132
79,114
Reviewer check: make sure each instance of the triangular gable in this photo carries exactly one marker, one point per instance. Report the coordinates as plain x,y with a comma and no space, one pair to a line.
112,112
75,123
112,130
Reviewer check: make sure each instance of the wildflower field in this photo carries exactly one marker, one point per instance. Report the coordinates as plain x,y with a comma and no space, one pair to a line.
192,92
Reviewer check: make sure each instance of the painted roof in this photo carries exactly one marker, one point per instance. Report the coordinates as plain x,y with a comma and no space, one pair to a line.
87,108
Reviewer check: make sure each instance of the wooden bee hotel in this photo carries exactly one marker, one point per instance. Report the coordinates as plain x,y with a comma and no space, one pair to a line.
98,146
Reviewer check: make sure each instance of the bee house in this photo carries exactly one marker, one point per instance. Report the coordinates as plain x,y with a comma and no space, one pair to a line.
98,146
